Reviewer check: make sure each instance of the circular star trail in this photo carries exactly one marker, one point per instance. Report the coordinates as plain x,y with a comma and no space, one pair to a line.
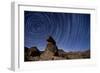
70,30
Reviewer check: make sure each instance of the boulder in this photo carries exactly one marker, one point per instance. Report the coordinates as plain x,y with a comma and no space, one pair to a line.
47,55
50,50
50,39
33,51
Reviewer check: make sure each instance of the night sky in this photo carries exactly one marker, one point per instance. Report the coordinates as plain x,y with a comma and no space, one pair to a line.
71,31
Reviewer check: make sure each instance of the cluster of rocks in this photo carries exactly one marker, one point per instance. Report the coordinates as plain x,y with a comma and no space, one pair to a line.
51,52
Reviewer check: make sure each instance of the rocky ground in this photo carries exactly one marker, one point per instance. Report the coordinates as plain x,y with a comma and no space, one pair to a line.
52,52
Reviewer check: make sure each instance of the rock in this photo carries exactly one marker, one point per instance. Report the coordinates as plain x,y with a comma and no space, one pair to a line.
31,54
33,51
86,54
47,55
26,53
51,45
61,52
26,49
36,58
50,50
50,39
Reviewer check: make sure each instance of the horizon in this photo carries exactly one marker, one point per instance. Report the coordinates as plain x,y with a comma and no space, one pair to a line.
65,50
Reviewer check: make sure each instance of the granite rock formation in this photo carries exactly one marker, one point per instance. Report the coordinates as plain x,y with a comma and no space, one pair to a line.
31,54
51,50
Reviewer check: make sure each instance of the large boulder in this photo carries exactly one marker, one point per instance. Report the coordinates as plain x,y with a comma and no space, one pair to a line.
33,51
31,54
47,55
50,50
51,45
50,39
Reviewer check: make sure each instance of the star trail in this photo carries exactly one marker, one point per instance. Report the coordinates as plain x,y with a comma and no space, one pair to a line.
71,31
